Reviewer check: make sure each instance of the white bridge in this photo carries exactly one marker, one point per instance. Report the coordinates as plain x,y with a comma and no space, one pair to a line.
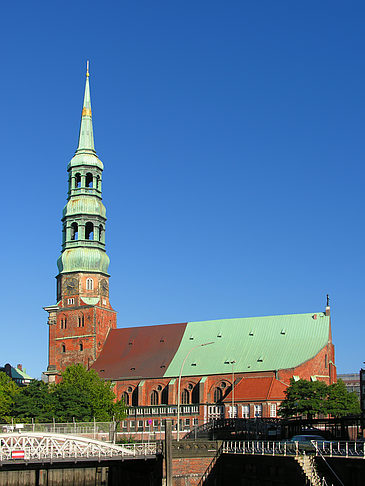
48,447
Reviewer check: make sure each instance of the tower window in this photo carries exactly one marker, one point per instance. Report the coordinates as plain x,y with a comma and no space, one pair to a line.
81,321
77,180
101,229
89,284
89,180
89,231
97,182
63,348
70,301
74,231
81,347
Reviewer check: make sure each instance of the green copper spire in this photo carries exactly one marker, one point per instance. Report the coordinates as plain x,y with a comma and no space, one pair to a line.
86,136
84,216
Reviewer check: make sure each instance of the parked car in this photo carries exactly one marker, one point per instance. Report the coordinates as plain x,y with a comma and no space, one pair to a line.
305,441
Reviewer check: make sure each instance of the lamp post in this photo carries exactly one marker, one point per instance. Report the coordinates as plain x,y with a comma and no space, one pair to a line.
178,387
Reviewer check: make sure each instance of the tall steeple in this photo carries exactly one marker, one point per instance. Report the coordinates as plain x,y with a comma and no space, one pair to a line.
84,216
86,136
83,316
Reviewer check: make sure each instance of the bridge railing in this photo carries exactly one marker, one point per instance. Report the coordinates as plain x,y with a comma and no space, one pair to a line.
285,448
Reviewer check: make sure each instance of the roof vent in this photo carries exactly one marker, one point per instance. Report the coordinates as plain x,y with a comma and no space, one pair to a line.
191,338
131,342
260,359
283,331
102,371
162,340
163,366
193,364
133,369
250,333
219,334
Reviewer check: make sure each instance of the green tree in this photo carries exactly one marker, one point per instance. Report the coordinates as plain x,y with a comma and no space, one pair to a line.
340,402
83,394
35,401
304,398
8,392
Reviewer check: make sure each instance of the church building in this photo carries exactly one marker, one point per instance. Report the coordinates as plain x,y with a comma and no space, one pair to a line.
220,368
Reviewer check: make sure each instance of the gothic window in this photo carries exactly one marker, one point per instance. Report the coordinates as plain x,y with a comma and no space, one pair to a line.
135,397
218,394
63,348
185,397
195,394
89,180
125,397
89,231
74,231
61,323
154,397
81,347
80,321
164,396
77,180
65,323
325,361
89,284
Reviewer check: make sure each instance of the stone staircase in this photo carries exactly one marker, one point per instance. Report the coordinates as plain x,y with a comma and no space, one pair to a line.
309,469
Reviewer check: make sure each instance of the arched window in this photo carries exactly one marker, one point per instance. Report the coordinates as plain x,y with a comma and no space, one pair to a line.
185,397
63,348
195,394
125,397
77,180
74,231
89,231
89,284
89,180
218,394
101,229
135,397
81,347
154,398
81,321
164,396
65,323
97,182
61,323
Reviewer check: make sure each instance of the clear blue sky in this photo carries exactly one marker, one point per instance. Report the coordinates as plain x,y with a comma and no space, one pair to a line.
232,135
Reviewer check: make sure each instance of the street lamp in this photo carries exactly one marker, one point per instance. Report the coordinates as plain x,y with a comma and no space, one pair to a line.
232,363
178,387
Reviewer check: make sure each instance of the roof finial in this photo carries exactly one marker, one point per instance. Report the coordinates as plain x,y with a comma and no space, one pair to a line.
328,300
87,69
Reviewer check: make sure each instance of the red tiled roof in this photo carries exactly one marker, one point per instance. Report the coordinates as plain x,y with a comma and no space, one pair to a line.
258,388
139,352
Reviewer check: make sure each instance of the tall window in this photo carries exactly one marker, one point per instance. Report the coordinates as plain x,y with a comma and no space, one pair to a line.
101,232
218,394
154,397
77,180
89,284
258,410
89,231
273,410
125,397
63,348
246,411
74,231
185,397
81,321
81,347
89,180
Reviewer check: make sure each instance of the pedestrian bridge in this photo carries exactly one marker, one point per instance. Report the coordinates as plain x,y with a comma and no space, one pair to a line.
33,447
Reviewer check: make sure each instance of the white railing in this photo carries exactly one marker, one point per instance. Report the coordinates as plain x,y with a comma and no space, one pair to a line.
53,447
285,448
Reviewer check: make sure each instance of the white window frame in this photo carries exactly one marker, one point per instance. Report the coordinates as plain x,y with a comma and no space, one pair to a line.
71,301
273,410
89,284
246,411
257,410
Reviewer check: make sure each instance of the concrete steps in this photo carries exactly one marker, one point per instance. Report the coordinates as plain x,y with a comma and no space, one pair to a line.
309,469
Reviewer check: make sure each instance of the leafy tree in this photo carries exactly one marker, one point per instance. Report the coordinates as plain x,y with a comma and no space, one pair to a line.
8,392
304,398
35,401
340,402
83,394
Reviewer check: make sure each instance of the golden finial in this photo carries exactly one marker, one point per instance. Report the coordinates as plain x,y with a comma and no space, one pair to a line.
87,69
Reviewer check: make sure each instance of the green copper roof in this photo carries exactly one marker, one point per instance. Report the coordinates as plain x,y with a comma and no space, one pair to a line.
255,344
84,205
83,259
86,136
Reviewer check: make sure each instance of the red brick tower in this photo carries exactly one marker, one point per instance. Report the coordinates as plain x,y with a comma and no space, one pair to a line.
80,321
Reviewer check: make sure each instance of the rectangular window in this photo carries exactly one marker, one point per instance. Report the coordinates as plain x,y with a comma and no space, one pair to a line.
273,410
132,425
195,422
187,422
70,301
140,425
246,411
258,410
124,425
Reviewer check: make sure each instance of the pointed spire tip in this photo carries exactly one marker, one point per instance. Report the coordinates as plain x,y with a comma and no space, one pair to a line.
87,69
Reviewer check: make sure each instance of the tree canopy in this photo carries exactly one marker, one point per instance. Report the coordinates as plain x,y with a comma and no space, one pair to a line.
81,395
310,398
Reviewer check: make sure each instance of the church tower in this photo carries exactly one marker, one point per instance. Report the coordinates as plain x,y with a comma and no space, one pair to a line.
80,321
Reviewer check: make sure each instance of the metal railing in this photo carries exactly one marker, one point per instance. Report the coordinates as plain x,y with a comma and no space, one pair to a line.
53,447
